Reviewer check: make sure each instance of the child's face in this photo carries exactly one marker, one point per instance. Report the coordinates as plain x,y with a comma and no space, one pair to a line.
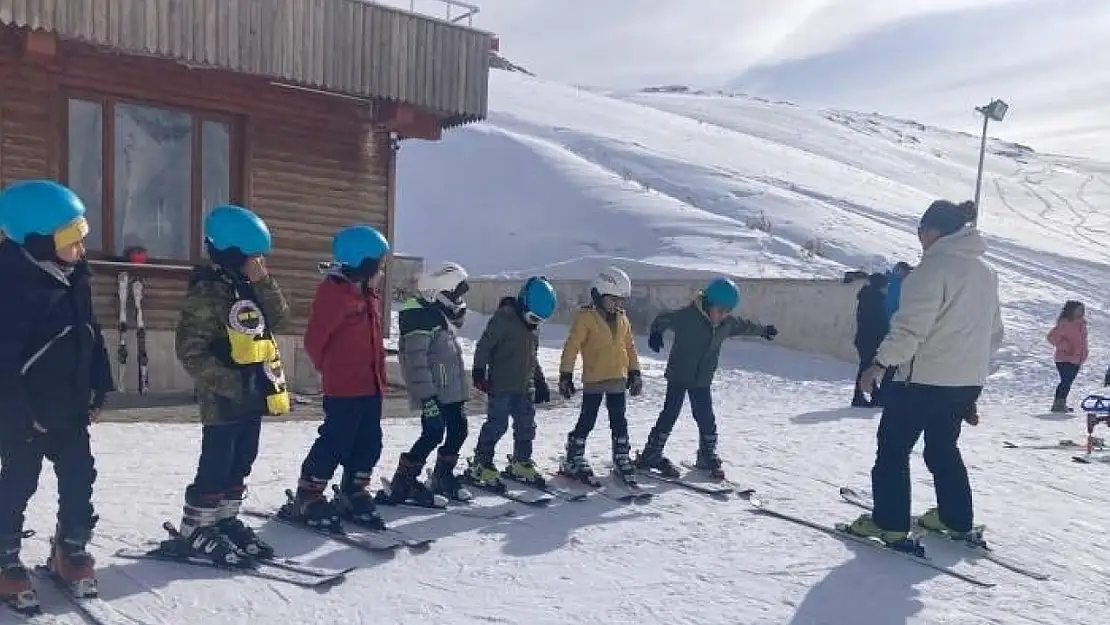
72,253
716,314
1079,313
611,303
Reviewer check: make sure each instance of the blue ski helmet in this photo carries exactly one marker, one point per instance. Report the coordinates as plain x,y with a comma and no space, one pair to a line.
537,296
229,226
45,208
722,293
355,244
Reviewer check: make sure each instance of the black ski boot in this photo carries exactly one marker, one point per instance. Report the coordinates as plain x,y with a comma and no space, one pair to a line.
199,537
708,460
311,508
15,581
574,465
405,487
355,503
238,532
652,458
444,481
622,464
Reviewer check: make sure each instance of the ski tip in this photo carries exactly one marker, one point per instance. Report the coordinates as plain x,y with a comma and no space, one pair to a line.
1009,445
754,502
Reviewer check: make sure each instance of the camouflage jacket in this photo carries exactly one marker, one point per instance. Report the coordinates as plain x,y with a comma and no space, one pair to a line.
226,392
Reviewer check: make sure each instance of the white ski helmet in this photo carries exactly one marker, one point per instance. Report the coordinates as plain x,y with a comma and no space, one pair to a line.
445,285
613,281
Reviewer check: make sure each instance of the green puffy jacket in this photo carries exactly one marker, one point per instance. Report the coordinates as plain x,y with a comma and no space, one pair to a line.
507,350
696,347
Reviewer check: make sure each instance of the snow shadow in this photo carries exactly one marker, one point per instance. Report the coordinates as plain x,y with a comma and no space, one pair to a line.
1055,416
835,414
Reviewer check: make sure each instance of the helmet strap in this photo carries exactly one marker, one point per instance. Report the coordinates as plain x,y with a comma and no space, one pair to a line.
232,260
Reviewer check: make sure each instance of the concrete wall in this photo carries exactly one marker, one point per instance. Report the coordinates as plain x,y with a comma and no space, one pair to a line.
816,316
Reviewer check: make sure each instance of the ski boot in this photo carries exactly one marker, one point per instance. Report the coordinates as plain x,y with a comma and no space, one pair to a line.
652,458
354,502
240,533
1060,406
199,537
405,488
622,463
15,581
482,472
708,460
70,563
575,466
865,527
525,472
444,481
931,521
311,508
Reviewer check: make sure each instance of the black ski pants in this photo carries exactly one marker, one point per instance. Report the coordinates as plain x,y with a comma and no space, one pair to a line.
615,405
499,409
447,431
936,411
701,405
351,435
20,465
1068,371
227,454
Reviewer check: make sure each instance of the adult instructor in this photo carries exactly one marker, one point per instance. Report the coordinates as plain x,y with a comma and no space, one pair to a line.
941,339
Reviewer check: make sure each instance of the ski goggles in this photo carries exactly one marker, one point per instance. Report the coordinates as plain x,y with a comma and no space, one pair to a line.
532,318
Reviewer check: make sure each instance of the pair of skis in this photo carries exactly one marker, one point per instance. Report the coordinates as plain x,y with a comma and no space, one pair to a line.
1094,444
133,287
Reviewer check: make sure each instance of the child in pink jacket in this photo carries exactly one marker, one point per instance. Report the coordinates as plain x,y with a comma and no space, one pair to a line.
1069,337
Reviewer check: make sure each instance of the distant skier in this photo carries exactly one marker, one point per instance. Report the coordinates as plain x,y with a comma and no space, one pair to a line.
507,370
602,334
435,378
700,329
872,324
1069,337
54,377
944,334
895,279
225,340
344,341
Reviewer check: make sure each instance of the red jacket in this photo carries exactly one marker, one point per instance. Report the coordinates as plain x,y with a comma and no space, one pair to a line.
344,339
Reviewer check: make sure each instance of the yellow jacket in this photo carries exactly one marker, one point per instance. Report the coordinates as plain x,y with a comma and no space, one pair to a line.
608,351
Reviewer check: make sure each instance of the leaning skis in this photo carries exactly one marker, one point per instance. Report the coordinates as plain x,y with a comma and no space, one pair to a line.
140,336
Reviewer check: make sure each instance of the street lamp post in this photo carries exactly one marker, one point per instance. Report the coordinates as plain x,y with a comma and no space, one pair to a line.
996,111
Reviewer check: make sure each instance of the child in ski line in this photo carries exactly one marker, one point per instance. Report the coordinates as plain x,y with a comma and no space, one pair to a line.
435,378
602,334
507,371
225,340
700,329
343,339
54,377
1069,337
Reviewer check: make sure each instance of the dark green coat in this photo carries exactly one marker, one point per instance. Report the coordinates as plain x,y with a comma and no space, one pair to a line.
696,346
507,350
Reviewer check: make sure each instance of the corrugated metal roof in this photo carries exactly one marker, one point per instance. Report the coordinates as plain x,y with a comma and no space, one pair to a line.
351,47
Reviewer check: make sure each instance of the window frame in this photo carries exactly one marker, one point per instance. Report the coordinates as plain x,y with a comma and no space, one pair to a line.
236,164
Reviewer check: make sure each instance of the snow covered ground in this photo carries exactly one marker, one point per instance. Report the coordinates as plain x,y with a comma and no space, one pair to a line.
682,559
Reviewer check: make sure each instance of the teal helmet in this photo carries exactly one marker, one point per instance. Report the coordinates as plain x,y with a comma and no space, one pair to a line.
354,245
230,227
44,208
722,293
537,297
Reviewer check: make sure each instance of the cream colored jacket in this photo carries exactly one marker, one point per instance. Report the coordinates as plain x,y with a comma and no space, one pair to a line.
949,322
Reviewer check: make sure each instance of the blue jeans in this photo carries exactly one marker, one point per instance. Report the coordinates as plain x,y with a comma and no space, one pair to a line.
499,408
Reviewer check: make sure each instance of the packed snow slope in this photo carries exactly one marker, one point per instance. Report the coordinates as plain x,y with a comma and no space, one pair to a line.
564,179
683,559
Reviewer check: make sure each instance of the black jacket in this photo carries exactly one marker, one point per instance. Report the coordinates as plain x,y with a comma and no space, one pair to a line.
53,362
507,349
872,322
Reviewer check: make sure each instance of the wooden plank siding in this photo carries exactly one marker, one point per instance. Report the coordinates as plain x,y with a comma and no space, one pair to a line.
309,163
353,47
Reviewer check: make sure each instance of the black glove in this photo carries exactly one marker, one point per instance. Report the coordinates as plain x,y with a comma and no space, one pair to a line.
655,341
770,332
1106,380
543,391
635,383
429,408
478,377
566,385
972,415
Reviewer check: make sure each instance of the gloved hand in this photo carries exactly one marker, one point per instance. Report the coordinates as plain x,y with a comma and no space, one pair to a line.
972,416
96,405
429,408
542,393
478,378
635,383
770,332
655,341
566,385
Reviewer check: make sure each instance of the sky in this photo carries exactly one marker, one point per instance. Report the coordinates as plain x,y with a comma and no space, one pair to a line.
929,60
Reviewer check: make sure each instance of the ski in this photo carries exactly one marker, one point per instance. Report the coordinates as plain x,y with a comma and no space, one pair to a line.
140,336
837,531
123,282
263,570
91,606
440,504
1098,444
631,491
595,484
543,486
501,489
374,541
863,500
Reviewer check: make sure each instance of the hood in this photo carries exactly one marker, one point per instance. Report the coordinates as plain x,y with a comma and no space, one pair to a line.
967,243
17,264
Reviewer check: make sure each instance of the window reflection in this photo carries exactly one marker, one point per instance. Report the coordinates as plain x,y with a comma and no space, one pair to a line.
215,166
85,164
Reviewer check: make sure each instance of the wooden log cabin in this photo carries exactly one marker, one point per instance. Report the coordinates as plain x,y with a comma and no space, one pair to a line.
154,111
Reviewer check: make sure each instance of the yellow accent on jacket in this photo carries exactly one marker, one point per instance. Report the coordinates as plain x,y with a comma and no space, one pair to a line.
608,350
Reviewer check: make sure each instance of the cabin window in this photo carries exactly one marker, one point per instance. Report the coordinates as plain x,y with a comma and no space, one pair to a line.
147,174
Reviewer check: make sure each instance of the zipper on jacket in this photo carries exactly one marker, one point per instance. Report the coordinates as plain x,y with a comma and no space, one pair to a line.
45,348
